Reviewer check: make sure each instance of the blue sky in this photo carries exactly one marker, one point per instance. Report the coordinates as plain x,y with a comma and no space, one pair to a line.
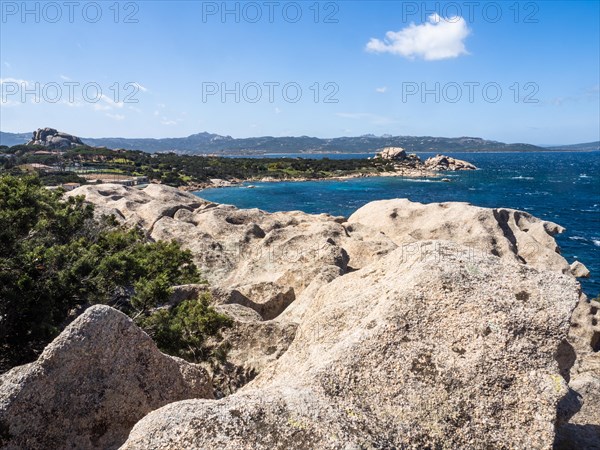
402,68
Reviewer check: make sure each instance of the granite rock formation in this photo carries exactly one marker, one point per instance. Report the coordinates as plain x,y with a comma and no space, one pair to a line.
91,385
53,139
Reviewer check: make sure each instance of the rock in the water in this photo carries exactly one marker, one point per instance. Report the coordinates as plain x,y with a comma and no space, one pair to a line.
408,352
49,137
442,162
91,385
579,270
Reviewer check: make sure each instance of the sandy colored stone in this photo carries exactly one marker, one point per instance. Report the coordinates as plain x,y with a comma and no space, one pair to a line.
91,385
408,352
443,163
508,233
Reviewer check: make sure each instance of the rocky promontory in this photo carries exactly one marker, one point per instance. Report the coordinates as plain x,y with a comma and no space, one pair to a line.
406,325
53,139
436,163
442,162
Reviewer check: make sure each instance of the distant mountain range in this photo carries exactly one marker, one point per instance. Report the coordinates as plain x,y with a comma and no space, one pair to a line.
585,147
208,143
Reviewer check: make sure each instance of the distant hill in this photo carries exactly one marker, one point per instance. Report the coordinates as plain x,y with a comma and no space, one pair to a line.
204,143
586,147
208,143
11,139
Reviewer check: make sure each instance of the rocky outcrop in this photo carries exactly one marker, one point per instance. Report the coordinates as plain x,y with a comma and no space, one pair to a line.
579,415
442,162
579,270
139,207
435,163
400,157
91,385
507,233
404,326
49,137
392,153
408,352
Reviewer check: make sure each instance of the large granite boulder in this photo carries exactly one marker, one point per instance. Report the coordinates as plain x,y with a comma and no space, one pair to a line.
392,153
53,139
91,385
442,162
138,207
409,352
508,233
401,159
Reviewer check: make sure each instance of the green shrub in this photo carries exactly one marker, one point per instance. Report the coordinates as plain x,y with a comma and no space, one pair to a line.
56,259
184,330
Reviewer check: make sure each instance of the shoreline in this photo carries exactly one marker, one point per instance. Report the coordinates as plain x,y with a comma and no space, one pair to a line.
237,182
307,155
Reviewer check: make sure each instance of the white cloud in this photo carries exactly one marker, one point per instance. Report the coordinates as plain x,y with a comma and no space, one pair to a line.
64,77
381,90
76,103
115,116
167,121
7,64
156,113
439,38
140,87
14,80
109,102
9,94
101,107
277,111
8,103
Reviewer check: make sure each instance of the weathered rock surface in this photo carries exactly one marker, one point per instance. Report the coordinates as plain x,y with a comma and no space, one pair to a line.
53,139
138,207
392,153
91,385
579,270
406,326
579,414
408,352
508,233
399,156
442,162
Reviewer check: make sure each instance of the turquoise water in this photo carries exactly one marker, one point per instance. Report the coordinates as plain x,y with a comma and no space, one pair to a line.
560,187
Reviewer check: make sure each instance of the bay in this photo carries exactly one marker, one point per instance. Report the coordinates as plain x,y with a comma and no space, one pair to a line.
562,187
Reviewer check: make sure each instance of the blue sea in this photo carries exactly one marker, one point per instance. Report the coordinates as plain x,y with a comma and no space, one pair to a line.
563,187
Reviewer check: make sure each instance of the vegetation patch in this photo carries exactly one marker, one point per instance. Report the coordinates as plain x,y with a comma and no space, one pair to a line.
56,260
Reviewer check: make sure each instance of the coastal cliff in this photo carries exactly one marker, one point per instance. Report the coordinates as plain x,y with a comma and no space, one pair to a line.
406,325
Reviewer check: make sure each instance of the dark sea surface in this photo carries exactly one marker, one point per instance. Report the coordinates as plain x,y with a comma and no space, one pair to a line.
562,187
